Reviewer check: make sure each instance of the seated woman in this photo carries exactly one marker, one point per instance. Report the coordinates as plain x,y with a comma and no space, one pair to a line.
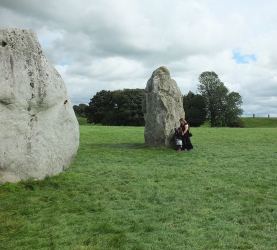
178,138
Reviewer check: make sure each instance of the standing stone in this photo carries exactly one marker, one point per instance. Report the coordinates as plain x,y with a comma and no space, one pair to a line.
162,108
39,132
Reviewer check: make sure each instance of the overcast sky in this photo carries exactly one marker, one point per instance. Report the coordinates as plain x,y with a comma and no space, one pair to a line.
115,44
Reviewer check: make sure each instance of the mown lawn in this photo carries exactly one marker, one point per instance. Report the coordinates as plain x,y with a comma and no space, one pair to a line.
120,194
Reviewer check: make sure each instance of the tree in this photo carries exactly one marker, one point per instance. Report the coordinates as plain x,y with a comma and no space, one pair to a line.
100,105
195,109
117,108
233,110
129,107
221,106
80,110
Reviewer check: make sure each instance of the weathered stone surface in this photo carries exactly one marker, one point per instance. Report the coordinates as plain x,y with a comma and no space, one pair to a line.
162,108
39,132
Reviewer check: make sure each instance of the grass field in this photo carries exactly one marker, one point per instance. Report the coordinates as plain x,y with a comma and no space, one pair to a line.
249,122
120,194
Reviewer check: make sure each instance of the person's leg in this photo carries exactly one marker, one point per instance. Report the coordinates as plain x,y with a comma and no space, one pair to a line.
185,146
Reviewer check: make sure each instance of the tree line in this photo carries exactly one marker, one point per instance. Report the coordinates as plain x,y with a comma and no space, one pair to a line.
213,103
114,108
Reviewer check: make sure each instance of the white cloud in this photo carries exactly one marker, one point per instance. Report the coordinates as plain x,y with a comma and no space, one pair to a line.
118,44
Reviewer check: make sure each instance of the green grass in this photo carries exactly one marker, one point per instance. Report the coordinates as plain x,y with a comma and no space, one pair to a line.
259,122
120,194
249,122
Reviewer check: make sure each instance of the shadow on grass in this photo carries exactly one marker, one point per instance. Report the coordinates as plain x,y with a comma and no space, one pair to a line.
137,146
131,145
119,145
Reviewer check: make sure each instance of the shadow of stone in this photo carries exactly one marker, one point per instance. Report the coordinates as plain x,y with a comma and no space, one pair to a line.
119,145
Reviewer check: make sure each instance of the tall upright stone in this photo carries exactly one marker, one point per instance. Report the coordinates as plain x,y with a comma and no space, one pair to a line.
162,107
39,132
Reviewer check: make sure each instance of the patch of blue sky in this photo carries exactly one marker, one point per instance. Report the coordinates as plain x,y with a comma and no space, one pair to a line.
44,42
64,63
243,58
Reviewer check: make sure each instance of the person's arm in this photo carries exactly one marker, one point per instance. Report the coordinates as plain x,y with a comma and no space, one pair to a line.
186,129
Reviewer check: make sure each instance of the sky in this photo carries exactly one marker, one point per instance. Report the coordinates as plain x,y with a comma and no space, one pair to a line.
117,44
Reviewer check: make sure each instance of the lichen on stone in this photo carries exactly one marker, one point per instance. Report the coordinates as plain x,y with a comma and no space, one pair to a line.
163,68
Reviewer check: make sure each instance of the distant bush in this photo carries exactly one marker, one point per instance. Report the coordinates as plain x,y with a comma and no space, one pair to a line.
80,110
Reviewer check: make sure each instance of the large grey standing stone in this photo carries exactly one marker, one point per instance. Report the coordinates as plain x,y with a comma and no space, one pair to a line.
39,133
162,108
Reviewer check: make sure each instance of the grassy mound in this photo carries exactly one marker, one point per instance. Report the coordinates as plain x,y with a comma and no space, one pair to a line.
259,122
